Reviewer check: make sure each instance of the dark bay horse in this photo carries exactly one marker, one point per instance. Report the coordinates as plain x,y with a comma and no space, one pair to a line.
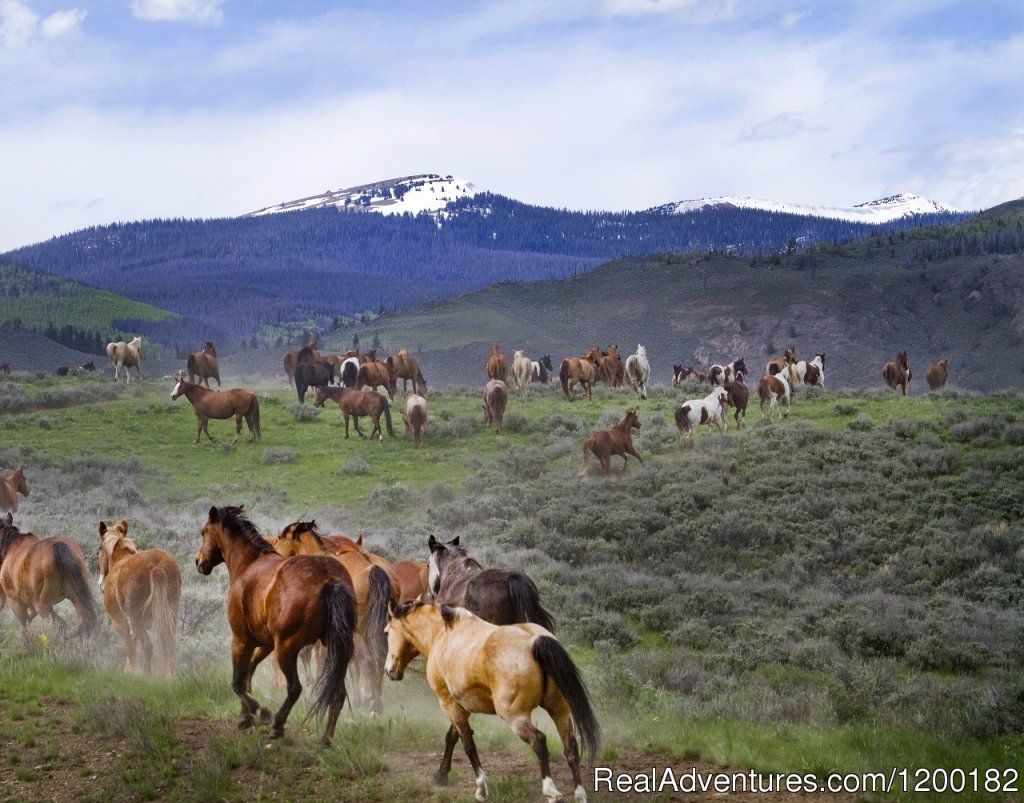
543,369
406,369
356,403
291,359
10,486
581,370
204,365
280,605
36,574
497,364
615,441
220,404
738,398
500,596
896,373
311,371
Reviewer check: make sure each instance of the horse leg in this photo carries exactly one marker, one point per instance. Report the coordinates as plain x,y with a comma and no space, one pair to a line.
142,636
376,429
238,426
606,462
242,666
562,718
288,661
124,630
525,730
345,413
450,738
461,722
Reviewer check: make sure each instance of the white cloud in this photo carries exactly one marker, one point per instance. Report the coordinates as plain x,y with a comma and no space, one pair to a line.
62,23
203,11
698,10
20,25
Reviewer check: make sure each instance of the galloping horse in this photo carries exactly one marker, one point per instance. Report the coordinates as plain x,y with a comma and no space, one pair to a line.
739,396
638,371
582,370
375,373
406,368
220,405
802,372
356,403
771,389
710,410
495,399
126,355
937,374
777,365
542,369
291,359
38,573
141,592
474,666
277,604
497,364
897,374
522,370
607,442
414,415
10,486
204,365
680,375
611,369
720,374
500,596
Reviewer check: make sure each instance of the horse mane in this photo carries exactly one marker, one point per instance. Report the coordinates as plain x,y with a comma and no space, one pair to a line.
450,614
305,354
112,536
9,536
311,528
232,517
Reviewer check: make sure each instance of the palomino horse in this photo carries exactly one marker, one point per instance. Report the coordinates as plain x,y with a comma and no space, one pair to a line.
937,374
896,373
406,369
280,605
501,596
204,365
220,405
607,442
611,369
414,415
412,579
125,355
10,486
802,372
638,371
377,373
291,359
38,573
776,365
772,389
141,592
497,364
582,370
542,369
739,396
522,370
495,400
710,411
720,374
356,403
474,666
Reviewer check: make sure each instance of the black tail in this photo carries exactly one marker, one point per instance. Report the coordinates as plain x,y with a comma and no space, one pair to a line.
557,665
387,418
526,599
190,363
252,418
340,602
375,615
76,587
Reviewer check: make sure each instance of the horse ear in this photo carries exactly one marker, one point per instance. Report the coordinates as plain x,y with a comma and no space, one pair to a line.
359,540
391,608
103,528
454,541
214,515
123,523
10,518
432,543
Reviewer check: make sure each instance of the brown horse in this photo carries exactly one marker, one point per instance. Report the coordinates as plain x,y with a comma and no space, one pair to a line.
291,359
412,579
896,373
611,368
38,573
375,374
204,365
278,604
738,397
474,666
773,389
220,405
414,414
497,364
937,374
582,370
356,403
406,369
607,442
777,365
125,355
495,400
10,486
141,592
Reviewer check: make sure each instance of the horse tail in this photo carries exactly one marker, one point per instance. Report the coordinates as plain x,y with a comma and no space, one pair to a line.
252,417
164,615
190,364
526,599
375,614
563,377
387,417
588,445
556,664
77,586
340,606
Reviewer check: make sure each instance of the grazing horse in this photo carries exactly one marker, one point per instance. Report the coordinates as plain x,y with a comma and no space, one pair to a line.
897,374
406,368
611,369
739,396
543,369
10,486
311,370
501,596
141,592
771,389
497,364
204,365
377,373
220,405
356,403
937,374
280,605
638,371
414,414
291,359
720,374
412,579
522,371
710,411
474,666
495,399
38,573
582,370
777,365
125,355
607,442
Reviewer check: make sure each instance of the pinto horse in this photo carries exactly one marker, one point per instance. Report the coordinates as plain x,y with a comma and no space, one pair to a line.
220,405
474,666
581,370
280,605
611,369
204,365
543,369
772,389
615,441
356,403
710,411
720,374
378,373
141,592
10,486
896,373
495,400
406,369
414,415
125,355
522,370
937,374
36,574
802,372
776,365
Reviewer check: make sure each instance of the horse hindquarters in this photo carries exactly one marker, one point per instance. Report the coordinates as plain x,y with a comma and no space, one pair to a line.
73,573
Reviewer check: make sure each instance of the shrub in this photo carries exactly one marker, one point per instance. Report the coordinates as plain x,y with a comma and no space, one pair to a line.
306,413
276,455
354,467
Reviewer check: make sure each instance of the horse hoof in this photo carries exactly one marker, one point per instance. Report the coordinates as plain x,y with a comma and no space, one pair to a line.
441,778
276,733
265,716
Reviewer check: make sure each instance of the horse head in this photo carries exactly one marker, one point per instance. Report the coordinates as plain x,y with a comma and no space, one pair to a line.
631,420
440,555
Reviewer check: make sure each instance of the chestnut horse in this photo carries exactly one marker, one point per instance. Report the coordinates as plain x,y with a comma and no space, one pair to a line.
38,573
495,399
406,369
474,666
581,370
204,365
896,373
10,486
280,605
141,592
607,442
356,403
414,415
412,579
497,364
375,373
220,405
937,374
611,369
776,365
125,355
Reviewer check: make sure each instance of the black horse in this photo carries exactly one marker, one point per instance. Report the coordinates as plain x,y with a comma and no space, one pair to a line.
543,370
311,372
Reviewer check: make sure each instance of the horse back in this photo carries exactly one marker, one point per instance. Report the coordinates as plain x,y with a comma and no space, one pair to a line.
282,595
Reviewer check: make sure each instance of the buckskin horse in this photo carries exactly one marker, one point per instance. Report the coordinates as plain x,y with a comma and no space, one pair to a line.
896,373
10,486
204,364
615,441
220,405
579,370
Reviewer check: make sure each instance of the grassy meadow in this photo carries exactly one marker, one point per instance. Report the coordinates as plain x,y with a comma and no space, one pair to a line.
841,590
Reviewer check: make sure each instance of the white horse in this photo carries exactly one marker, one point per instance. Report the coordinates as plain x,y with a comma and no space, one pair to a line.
522,370
710,410
125,354
638,370
772,389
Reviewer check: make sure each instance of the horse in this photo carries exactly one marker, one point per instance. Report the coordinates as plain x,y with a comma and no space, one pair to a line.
501,596
776,365
5,369
89,366
542,369
770,389
611,369
356,403
607,442
406,368
291,359
497,364
278,604
638,371
720,374
125,355
63,370
204,365
348,372
474,666
937,374
522,370
710,411
412,579
414,414
10,486
802,372
220,405
897,374
739,396
582,370
141,592
36,574
495,399
311,371
377,373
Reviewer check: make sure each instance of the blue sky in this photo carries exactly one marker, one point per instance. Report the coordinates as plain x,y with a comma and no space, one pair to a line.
130,109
